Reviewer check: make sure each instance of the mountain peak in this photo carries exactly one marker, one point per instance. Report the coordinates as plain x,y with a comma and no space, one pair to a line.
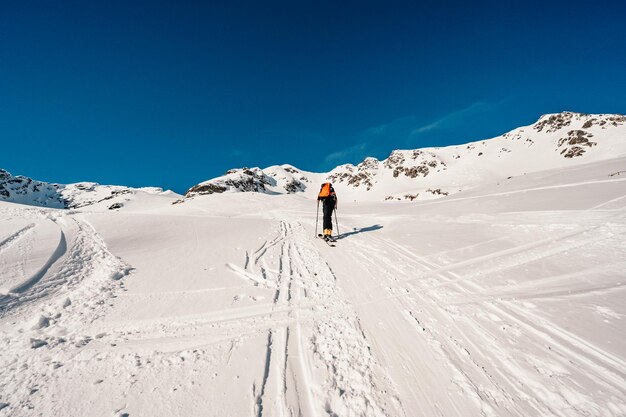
556,121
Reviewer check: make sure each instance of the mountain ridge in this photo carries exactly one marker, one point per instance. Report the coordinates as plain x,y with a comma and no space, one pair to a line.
555,140
24,190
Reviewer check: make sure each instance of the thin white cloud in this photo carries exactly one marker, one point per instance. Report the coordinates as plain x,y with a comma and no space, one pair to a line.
453,118
347,153
404,131
426,128
390,126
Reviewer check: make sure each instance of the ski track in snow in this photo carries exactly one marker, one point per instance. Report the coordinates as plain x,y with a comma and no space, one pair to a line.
13,237
302,276
58,302
547,388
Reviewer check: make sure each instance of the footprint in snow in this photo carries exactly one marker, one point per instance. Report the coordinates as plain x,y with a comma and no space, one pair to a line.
121,413
83,342
607,313
42,322
37,343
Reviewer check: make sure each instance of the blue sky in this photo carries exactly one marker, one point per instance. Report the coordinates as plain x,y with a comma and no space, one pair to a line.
172,93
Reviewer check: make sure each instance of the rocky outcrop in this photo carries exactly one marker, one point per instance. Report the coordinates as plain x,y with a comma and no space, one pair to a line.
24,190
406,163
205,189
273,180
603,122
574,143
355,176
552,123
413,163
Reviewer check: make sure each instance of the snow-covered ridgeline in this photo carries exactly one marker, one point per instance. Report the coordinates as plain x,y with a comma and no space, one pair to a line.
24,190
554,141
284,179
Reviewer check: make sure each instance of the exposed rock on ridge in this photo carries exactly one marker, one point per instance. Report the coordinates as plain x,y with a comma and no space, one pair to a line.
554,140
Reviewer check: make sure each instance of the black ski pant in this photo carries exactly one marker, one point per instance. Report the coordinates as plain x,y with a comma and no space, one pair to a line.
328,207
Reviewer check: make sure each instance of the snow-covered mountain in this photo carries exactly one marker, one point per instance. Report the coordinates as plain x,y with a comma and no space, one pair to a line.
284,179
24,190
506,299
497,301
555,140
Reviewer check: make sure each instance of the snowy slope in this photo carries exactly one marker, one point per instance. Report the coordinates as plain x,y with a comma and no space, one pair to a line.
556,140
24,190
504,299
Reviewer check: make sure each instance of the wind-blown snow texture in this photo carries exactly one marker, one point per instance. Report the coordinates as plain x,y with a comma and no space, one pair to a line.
503,299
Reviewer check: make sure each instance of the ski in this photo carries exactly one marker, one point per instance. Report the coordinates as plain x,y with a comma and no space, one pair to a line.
330,242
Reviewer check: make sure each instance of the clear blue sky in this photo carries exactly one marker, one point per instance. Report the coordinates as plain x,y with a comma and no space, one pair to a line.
172,93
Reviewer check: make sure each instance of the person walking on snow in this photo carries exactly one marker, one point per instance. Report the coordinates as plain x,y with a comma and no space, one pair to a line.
329,202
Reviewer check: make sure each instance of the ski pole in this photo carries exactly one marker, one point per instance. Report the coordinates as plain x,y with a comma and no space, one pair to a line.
336,222
317,216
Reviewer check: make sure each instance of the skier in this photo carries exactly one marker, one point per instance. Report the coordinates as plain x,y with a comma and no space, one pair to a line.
329,202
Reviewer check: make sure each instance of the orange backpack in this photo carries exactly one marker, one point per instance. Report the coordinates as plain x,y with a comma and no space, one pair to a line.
326,190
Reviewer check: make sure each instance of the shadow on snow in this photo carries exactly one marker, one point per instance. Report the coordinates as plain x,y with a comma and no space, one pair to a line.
361,230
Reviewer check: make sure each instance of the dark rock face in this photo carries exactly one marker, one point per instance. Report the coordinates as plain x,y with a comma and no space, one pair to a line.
395,159
251,180
28,191
342,176
24,190
206,189
245,180
573,145
412,172
294,186
397,162
92,188
555,122
612,120
405,163
361,178
363,175
272,181
437,191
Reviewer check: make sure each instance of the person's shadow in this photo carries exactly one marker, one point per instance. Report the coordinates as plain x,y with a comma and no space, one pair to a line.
361,230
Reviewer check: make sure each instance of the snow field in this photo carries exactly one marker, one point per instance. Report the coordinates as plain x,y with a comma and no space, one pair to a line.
506,300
